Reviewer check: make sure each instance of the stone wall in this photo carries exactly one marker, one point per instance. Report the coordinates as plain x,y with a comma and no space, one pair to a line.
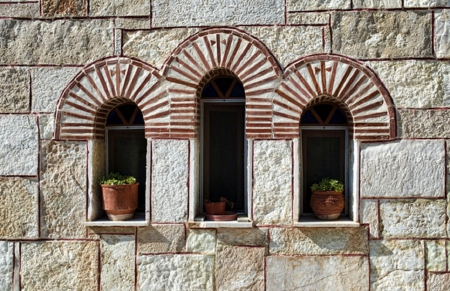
386,59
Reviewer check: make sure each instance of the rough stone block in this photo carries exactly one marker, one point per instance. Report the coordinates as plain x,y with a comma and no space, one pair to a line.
318,241
169,180
18,208
175,272
56,42
216,12
6,265
413,218
377,4
317,273
396,265
46,126
436,256
242,237
423,123
272,185
47,86
14,90
406,168
309,18
369,214
426,3
133,23
64,7
162,238
59,266
201,241
96,170
117,262
119,8
240,268
20,10
300,5
63,189
95,232
382,34
438,282
18,145
442,33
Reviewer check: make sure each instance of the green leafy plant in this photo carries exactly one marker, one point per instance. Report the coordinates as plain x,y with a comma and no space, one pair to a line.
116,179
327,184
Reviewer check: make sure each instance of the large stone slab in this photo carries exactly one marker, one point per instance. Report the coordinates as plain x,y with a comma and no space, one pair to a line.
396,265
436,256
216,12
318,241
242,237
64,7
377,4
18,145
119,8
6,265
240,268
406,168
161,238
133,23
442,33
438,282
300,5
59,266
169,180
201,241
56,42
175,272
272,184
118,262
308,18
423,123
14,90
18,208
382,34
317,273
413,218
369,214
46,126
426,3
63,189
22,10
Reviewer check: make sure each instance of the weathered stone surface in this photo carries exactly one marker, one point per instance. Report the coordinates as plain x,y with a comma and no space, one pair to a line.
133,23
201,241
442,32
240,268
290,43
272,185
423,123
96,231
413,218
18,208
14,90
436,256
396,265
46,126
438,282
96,170
317,273
64,7
369,214
216,12
18,145
242,237
377,4
406,168
47,86
426,3
56,42
63,189
162,238
6,265
415,84
299,5
169,180
309,18
25,10
59,266
382,34
154,47
117,262
119,8
175,272
318,241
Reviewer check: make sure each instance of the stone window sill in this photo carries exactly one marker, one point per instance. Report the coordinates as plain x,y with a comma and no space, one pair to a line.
311,221
242,221
138,220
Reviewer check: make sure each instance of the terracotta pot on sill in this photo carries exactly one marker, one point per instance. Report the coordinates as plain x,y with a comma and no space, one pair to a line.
327,205
215,208
120,201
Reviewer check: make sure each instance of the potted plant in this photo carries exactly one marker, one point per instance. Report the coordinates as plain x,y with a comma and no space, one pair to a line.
120,196
217,210
327,200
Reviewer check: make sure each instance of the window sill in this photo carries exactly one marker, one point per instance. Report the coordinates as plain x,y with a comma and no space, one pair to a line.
311,221
241,222
138,220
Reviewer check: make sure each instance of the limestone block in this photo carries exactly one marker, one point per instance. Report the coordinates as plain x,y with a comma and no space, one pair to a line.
242,237
442,32
18,145
63,189
406,168
216,12
309,18
18,208
117,262
59,266
396,265
47,86
382,34
438,282
119,8
300,5
377,4
161,238
201,241
14,90
46,126
413,218
317,273
6,265
20,10
423,123
96,170
272,184
415,84
154,47
240,268
95,232
318,241
55,42
169,180
175,272
64,7
369,214
436,256
133,23
426,3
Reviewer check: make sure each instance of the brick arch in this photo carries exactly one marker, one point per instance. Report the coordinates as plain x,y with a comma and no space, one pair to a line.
86,101
355,86
205,55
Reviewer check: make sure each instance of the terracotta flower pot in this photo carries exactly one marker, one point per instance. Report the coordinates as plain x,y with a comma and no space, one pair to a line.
120,201
327,205
215,208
